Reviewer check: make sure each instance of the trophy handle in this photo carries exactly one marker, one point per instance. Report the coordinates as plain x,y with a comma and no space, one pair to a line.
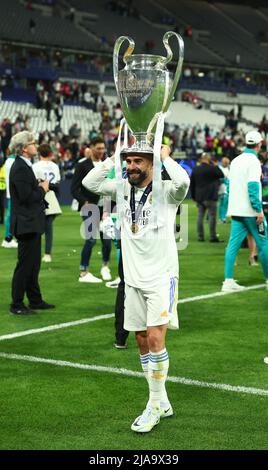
128,52
177,74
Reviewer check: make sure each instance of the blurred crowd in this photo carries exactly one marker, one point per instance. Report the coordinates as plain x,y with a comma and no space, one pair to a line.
52,96
186,142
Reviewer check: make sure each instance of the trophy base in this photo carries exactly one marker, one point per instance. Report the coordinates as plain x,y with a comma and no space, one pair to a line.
133,151
140,147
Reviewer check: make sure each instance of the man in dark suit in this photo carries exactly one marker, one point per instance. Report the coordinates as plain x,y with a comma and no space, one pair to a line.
27,223
204,191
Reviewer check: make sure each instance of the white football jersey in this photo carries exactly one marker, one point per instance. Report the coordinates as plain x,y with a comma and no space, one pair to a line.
46,170
150,255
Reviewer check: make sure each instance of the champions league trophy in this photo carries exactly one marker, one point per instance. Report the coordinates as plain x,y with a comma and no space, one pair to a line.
145,89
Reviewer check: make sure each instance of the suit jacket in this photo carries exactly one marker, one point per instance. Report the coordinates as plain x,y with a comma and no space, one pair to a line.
27,200
205,182
78,191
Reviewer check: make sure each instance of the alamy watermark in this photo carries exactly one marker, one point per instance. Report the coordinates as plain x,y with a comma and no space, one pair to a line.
165,227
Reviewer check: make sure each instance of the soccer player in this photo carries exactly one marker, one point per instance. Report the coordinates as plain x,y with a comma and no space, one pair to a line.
46,170
245,209
150,262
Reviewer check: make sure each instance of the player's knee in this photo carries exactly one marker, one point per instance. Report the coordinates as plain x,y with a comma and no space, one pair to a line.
141,338
155,340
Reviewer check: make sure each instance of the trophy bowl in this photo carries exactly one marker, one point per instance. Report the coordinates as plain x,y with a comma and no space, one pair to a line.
145,88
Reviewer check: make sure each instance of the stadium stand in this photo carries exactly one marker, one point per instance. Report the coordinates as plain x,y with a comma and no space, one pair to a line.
86,118
186,114
47,30
226,37
242,98
220,36
250,113
252,20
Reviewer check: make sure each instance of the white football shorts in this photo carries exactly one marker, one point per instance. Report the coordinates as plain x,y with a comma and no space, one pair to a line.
151,307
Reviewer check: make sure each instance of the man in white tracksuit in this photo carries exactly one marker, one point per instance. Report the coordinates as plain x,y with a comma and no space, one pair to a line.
150,261
245,209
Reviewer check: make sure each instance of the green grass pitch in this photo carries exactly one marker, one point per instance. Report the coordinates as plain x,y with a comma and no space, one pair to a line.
221,340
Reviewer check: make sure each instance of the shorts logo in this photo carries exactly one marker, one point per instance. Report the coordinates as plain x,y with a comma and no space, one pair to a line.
164,314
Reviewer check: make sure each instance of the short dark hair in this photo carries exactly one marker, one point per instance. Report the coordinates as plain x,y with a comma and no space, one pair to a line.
214,158
97,140
251,146
44,150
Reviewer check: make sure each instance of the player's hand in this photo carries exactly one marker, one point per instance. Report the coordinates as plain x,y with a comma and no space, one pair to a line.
44,185
165,152
259,218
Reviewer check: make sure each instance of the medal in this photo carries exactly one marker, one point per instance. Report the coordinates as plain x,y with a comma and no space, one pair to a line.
134,228
135,214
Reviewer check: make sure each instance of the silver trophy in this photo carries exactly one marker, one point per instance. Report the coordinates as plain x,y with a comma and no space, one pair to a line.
145,88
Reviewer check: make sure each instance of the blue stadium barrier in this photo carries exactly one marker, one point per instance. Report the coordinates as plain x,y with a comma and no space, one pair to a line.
19,94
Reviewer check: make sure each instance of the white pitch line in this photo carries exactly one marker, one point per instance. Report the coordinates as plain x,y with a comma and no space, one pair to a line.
131,373
219,294
55,327
34,331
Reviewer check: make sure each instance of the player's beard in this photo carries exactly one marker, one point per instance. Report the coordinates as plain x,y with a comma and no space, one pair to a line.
140,176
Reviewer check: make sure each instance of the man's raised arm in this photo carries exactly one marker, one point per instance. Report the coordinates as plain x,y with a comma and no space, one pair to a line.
97,181
177,188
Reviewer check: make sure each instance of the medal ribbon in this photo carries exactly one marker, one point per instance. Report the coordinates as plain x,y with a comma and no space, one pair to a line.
135,214
118,174
157,206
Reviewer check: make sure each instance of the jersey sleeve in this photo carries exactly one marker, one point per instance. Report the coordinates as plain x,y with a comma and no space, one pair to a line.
97,182
254,192
177,188
254,185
